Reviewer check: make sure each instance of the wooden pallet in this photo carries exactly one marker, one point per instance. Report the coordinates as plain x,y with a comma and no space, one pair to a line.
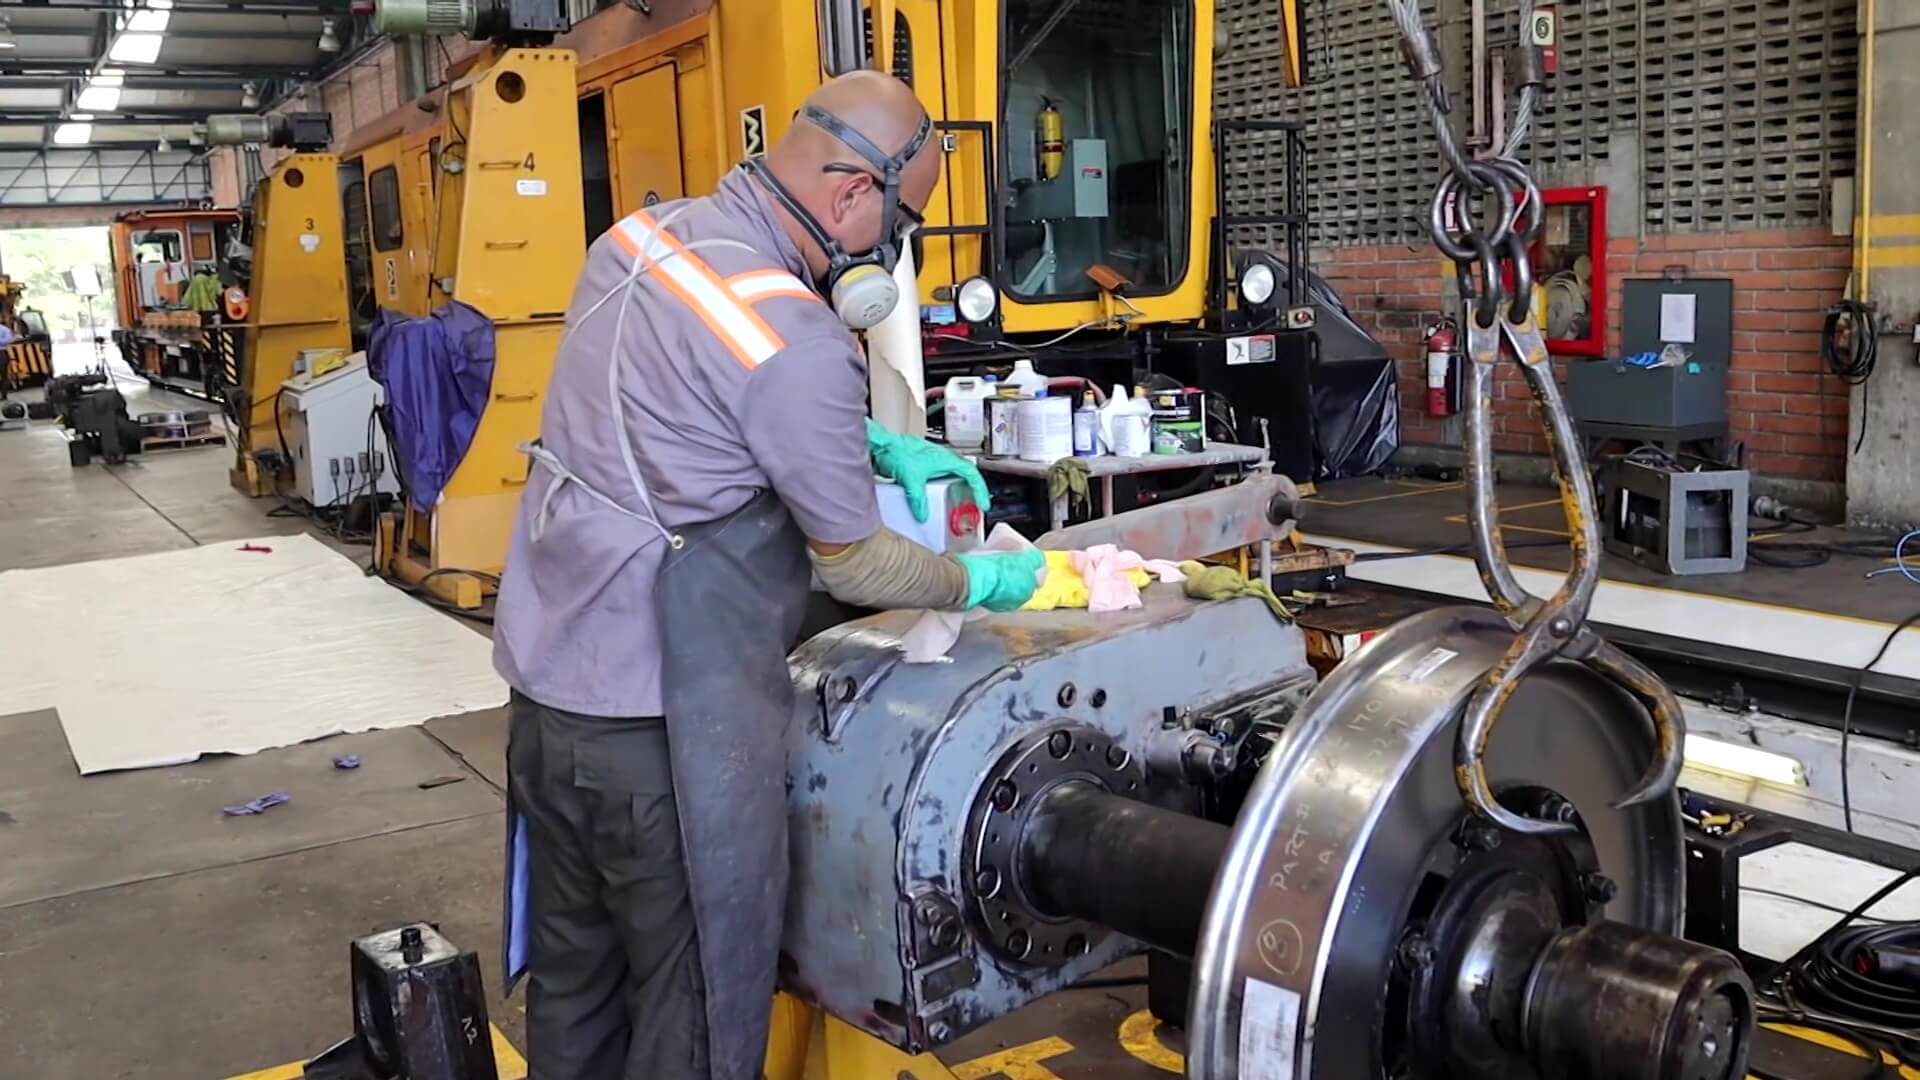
151,443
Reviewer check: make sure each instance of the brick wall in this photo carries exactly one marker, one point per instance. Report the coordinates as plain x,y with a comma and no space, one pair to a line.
1788,412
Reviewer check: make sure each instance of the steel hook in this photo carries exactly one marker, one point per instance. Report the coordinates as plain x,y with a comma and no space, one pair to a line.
1476,730
1663,711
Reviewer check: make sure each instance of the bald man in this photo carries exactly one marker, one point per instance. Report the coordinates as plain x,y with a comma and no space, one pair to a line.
705,451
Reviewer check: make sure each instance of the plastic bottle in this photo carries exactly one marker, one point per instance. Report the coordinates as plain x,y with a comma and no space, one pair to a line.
966,411
1029,382
1003,423
1109,413
1086,428
1126,422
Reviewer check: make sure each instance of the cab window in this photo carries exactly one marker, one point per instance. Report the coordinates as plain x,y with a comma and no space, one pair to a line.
157,247
383,206
1099,146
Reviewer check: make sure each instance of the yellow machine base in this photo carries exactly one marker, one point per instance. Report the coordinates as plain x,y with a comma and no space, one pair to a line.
454,587
249,479
807,1044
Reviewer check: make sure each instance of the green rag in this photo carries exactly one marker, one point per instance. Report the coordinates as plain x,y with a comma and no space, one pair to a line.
1224,583
1068,479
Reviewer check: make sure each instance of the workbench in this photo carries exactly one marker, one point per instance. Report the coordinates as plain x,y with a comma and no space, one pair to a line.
1106,467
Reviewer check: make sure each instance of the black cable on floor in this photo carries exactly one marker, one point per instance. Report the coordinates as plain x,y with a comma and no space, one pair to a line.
1806,554
1452,549
1804,902
1786,968
1855,365
1846,716
1856,982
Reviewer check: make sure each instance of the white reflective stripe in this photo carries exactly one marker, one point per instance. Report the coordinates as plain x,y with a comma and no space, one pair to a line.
718,307
758,283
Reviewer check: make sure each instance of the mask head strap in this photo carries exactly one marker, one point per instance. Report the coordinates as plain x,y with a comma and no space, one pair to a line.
888,166
756,167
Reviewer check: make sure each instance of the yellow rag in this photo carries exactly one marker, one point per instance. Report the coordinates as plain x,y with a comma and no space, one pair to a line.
1224,583
1065,588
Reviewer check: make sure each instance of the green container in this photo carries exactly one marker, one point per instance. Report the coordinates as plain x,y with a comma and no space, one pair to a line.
1179,421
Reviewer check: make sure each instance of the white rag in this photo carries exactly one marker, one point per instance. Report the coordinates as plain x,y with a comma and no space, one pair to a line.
934,632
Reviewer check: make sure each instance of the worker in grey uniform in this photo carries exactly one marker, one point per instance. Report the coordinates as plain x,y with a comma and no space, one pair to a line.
704,452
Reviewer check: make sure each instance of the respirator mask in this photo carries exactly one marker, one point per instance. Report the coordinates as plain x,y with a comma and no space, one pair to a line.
860,287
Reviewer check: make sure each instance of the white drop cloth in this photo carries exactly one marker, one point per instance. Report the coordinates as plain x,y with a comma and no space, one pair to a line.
158,659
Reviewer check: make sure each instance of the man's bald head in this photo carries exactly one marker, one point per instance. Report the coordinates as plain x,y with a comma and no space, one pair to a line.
839,187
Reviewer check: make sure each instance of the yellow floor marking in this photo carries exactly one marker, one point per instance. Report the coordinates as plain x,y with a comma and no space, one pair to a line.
1461,519
1834,1042
508,1060
1324,501
1016,1063
1532,505
1137,1037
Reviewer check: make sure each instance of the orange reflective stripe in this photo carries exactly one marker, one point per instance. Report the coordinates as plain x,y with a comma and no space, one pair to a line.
637,234
752,341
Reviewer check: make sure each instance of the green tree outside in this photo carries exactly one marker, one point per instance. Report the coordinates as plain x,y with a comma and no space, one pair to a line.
40,258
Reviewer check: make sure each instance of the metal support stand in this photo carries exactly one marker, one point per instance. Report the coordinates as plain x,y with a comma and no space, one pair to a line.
1676,521
1708,441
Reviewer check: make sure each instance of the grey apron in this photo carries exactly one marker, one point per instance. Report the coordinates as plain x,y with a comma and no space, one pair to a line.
730,605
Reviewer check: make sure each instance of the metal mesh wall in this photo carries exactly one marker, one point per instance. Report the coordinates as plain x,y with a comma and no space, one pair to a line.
1369,148
1744,109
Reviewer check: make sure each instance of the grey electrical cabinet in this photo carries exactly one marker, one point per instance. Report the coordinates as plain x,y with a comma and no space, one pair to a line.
1080,191
1655,314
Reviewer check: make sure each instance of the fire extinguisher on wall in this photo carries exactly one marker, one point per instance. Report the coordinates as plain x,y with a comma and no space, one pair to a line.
1050,136
1441,338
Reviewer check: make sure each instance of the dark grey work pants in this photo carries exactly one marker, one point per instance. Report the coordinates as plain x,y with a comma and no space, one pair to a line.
614,990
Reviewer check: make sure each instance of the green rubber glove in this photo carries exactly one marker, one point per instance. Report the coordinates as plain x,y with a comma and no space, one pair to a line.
913,463
1002,580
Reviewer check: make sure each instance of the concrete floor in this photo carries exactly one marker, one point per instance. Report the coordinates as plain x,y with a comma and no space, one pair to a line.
143,934
1427,514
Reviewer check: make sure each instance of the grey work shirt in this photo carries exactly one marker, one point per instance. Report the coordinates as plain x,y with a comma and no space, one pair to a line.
733,379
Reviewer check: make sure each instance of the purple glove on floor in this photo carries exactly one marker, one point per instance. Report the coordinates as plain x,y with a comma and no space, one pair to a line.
256,806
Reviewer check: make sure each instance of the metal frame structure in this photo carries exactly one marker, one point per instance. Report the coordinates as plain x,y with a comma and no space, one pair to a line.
1231,228
107,75
1713,866
109,175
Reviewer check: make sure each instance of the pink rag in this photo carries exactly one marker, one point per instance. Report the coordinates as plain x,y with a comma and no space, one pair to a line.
1107,571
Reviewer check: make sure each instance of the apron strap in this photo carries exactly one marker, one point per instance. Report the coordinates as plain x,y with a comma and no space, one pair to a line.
562,476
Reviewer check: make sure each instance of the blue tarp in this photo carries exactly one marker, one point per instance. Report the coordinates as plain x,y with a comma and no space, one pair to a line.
437,372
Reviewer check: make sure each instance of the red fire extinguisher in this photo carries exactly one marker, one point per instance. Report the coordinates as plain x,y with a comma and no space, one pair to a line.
1440,341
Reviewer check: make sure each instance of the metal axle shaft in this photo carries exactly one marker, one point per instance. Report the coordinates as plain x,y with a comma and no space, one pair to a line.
1141,870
